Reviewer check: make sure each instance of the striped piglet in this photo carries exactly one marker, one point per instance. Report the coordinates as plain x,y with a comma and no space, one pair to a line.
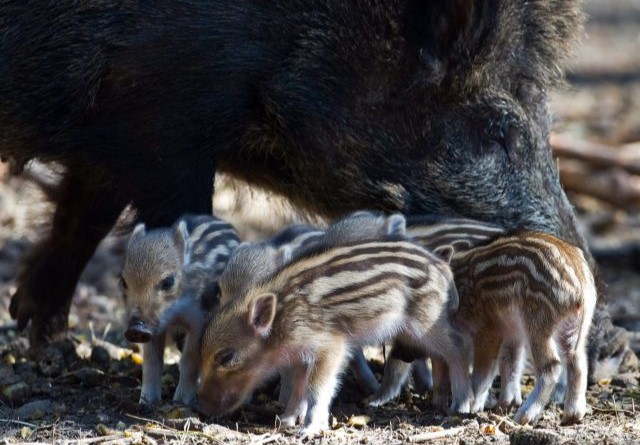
320,307
527,289
165,272
254,262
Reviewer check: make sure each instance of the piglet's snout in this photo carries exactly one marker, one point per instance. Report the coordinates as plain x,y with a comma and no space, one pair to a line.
138,331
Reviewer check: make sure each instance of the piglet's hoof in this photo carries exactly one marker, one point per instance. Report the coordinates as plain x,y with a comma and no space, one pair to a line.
145,408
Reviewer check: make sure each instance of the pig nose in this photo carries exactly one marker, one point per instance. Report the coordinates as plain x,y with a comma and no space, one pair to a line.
138,332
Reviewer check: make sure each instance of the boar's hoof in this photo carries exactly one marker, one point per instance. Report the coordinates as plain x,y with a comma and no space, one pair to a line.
22,308
47,325
138,333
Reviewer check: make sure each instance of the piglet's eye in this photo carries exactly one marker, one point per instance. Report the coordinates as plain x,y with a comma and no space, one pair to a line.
225,356
167,283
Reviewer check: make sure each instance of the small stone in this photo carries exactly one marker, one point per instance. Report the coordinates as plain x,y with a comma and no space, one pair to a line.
100,355
534,437
35,410
50,361
10,359
17,392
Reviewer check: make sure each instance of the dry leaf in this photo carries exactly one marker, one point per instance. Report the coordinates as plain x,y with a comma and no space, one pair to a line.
487,428
358,421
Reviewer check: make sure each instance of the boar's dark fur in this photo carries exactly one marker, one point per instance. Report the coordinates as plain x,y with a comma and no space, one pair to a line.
398,105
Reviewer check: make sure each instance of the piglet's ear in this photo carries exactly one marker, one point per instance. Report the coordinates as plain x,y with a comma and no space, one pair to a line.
445,252
396,224
138,232
262,311
181,237
283,255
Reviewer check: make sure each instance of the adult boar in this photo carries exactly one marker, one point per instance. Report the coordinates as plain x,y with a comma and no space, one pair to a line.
396,105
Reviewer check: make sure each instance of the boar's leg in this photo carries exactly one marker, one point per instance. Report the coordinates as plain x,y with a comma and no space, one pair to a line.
86,210
164,196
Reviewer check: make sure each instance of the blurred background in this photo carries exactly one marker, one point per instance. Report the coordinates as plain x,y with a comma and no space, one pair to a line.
596,140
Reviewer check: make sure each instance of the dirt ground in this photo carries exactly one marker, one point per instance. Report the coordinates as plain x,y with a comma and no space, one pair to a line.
85,390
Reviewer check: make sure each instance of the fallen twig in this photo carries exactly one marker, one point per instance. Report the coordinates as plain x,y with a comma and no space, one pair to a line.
158,431
612,411
597,155
109,437
423,437
265,439
503,420
162,429
615,185
19,422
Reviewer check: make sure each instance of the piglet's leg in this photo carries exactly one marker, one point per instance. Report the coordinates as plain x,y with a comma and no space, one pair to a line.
486,348
362,373
422,377
152,370
396,373
296,379
512,358
322,386
189,370
286,381
548,369
461,392
574,349
441,383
